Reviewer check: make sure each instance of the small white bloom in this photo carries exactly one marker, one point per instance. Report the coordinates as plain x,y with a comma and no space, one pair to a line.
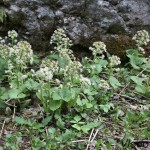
24,76
104,85
141,38
114,60
12,34
85,81
98,48
57,81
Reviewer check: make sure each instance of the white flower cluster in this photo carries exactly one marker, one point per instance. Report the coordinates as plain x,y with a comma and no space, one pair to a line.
19,54
141,38
85,81
98,48
12,34
144,77
104,85
44,74
4,50
22,52
10,67
72,69
67,54
60,39
63,43
47,70
114,60
51,64
141,49
119,69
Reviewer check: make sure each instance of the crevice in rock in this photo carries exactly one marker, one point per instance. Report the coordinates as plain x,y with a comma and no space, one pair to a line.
81,51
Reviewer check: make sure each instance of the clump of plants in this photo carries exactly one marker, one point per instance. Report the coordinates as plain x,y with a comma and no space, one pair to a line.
2,15
61,102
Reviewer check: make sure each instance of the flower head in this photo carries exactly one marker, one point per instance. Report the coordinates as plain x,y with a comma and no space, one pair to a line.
141,38
114,60
60,39
85,81
104,85
98,48
12,34
44,74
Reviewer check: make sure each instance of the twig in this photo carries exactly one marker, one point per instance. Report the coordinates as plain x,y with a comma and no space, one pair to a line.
89,139
95,135
139,141
6,102
76,141
126,96
136,147
9,104
2,128
13,117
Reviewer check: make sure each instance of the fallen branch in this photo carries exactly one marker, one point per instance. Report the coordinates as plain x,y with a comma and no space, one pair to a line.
89,139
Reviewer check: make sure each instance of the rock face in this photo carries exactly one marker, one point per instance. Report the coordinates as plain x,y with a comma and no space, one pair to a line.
84,21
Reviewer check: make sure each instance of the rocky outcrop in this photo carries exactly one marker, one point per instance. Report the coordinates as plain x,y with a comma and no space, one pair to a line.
84,21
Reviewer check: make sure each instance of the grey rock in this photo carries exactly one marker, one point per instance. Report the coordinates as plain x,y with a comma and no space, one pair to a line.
84,21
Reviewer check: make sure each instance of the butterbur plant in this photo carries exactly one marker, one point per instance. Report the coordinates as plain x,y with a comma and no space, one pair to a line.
18,55
60,39
98,49
63,69
141,38
137,60
78,101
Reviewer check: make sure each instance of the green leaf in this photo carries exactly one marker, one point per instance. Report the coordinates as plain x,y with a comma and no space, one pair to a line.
2,15
22,121
79,102
89,126
135,58
85,128
31,84
103,63
89,91
77,118
76,126
63,93
89,105
98,68
111,141
47,120
60,123
15,94
114,82
3,67
137,80
54,105
3,94
141,89
56,96
2,105
106,107
68,135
